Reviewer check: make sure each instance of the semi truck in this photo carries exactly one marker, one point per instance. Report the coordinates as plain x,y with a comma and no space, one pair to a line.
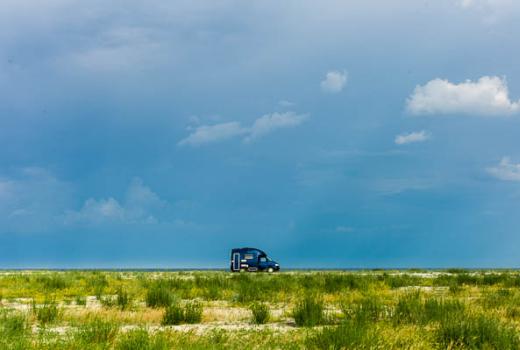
252,259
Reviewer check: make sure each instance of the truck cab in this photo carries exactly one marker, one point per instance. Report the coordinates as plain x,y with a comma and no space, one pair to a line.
252,259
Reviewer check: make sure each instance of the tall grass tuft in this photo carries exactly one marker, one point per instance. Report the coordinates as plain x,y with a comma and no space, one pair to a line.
260,313
80,300
309,311
173,315
97,283
348,335
97,332
193,312
476,332
140,339
14,331
12,324
369,309
159,295
123,299
46,313
176,314
411,308
53,282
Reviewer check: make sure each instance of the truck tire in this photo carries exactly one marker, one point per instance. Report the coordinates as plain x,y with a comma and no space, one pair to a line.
270,270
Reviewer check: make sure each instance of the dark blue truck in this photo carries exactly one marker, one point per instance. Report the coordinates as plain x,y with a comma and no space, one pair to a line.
252,259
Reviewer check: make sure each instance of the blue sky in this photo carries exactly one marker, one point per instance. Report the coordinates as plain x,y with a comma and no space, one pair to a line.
338,134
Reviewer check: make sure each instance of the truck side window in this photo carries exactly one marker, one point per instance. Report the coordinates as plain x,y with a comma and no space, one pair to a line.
248,256
263,259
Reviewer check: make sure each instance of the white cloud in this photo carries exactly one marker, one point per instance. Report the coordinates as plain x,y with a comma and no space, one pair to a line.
139,206
213,133
262,126
270,122
416,136
506,170
334,81
489,96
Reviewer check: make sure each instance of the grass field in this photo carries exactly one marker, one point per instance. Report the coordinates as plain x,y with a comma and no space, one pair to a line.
412,309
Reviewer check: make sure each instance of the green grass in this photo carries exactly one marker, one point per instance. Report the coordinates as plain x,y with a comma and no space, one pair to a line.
46,313
159,295
348,335
98,333
123,299
176,314
309,312
380,309
193,312
369,309
80,300
477,332
141,339
260,313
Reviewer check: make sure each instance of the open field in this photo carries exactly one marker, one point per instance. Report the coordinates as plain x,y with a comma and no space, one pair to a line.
413,309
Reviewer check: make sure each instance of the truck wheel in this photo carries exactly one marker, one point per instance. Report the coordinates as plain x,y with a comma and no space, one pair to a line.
270,270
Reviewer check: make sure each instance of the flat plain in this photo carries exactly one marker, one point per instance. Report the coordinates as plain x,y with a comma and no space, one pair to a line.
372,309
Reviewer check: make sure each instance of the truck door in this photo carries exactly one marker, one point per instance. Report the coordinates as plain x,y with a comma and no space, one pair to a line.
236,261
262,262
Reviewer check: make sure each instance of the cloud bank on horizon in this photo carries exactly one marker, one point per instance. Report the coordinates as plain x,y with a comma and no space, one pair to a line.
357,134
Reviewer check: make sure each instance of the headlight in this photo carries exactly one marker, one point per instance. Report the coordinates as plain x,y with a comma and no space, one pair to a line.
276,264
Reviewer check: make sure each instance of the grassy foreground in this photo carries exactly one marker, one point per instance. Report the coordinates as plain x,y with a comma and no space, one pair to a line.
452,309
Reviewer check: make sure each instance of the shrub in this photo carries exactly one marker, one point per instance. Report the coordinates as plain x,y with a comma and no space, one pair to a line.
476,333
260,313
309,312
193,312
159,296
176,314
47,312
173,315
